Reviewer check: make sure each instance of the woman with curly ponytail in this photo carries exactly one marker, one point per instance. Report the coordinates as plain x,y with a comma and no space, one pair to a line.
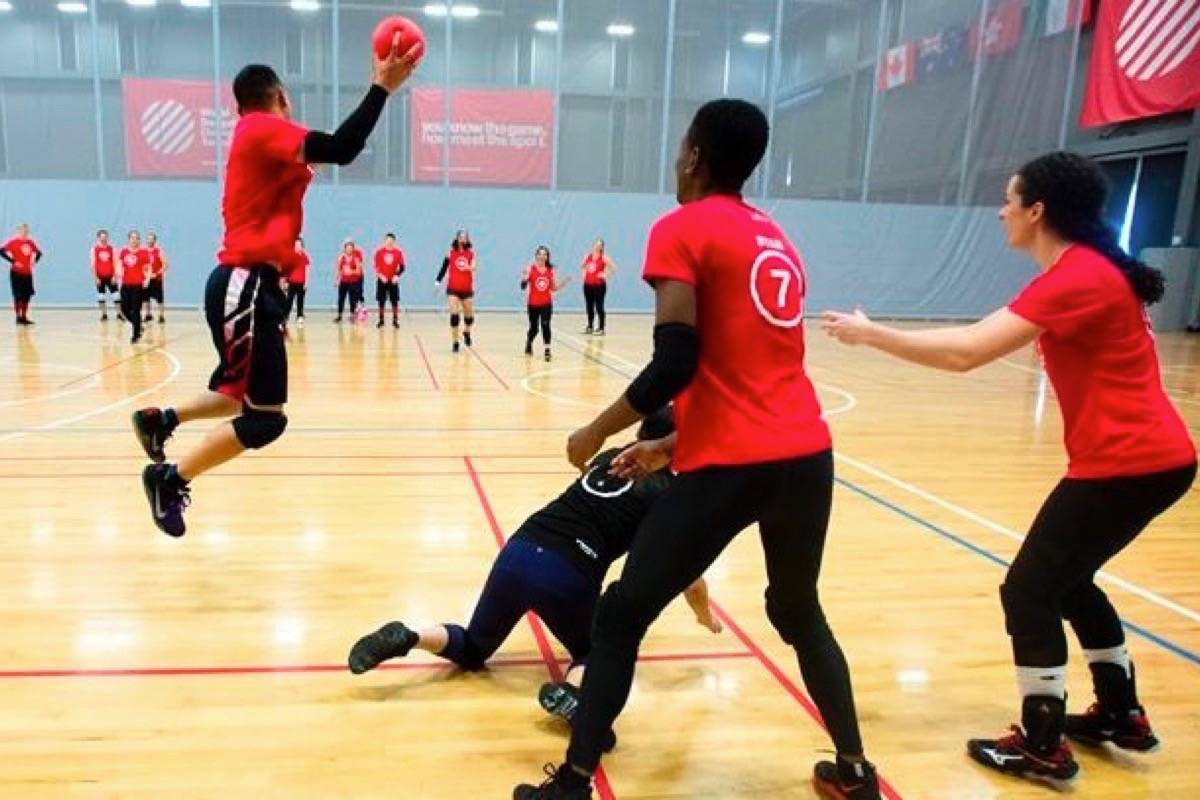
1130,454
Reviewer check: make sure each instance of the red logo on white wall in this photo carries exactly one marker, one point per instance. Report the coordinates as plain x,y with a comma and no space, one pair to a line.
171,127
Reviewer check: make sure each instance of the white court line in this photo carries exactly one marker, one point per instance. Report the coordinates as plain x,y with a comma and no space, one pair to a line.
92,383
554,398
996,527
176,367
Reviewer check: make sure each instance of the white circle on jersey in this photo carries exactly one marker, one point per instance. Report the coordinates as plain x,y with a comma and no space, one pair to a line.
542,284
599,482
782,282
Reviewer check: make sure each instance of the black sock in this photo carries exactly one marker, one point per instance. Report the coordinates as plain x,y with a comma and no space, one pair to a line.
570,778
170,419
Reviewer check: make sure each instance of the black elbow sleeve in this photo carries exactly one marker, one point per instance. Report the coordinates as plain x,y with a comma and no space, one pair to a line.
676,358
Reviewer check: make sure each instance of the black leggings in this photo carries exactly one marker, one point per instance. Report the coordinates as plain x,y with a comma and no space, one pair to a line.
131,307
593,298
354,291
683,533
1082,524
295,294
539,316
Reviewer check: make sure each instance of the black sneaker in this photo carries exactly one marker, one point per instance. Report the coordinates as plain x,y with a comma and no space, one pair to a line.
844,780
547,356
552,788
1130,731
454,348
167,499
393,640
104,317
559,700
528,349
379,324
337,319
1014,755
121,317
395,323
148,318
150,427
467,338
587,331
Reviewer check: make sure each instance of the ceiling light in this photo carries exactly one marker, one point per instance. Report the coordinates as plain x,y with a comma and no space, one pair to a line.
464,12
5,5
141,3
195,3
756,38
436,10
546,26
305,5
73,8
619,29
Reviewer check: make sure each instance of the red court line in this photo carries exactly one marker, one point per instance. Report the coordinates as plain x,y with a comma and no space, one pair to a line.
425,358
304,474
603,788
286,669
788,685
455,457
488,367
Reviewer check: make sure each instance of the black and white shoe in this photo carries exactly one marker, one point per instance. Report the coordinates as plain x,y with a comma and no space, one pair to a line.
168,497
152,431
1015,755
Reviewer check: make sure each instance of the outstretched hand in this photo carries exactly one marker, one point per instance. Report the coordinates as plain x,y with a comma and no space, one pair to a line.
851,329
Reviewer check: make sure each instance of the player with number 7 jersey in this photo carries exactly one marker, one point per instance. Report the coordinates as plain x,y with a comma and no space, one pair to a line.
750,400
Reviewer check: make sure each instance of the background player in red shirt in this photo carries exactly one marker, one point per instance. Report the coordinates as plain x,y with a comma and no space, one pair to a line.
542,283
460,264
157,267
1131,457
597,269
296,279
389,266
133,273
104,271
348,277
751,445
21,252
266,176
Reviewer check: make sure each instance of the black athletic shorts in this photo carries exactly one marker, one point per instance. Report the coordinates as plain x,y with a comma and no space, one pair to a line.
461,295
108,284
385,291
154,291
244,308
22,286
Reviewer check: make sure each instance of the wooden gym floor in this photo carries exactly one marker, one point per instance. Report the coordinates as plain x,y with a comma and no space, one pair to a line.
134,666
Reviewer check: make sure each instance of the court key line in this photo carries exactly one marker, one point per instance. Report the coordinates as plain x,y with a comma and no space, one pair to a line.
425,358
479,357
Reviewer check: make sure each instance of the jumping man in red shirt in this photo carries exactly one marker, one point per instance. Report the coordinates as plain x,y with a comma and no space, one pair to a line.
389,266
751,445
104,271
540,280
597,269
1131,457
267,174
133,273
157,261
21,252
461,266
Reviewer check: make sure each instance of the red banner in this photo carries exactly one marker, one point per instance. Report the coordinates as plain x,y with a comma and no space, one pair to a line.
171,127
1145,61
497,136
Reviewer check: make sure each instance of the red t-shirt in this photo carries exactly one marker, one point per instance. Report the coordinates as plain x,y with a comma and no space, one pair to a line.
134,264
264,191
593,270
23,252
154,261
102,257
389,263
750,400
461,278
1099,354
298,268
347,271
541,286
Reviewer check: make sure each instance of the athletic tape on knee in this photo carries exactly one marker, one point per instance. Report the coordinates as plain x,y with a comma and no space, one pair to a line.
256,429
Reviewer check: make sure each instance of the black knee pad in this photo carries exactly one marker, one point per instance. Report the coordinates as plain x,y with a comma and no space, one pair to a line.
256,429
798,617
1029,610
454,318
470,320
619,619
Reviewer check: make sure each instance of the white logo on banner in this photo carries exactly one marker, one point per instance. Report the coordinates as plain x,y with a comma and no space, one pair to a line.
168,127
1156,36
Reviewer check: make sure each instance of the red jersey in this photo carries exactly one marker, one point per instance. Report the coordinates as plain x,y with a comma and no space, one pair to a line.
264,191
389,263
154,261
541,286
593,270
750,400
1099,354
461,279
298,268
24,252
102,258
134,265
348,272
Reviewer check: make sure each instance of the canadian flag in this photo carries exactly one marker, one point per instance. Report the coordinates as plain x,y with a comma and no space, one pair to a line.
898,67
1145,60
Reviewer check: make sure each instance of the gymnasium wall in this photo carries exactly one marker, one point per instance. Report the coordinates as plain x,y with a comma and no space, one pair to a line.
893,259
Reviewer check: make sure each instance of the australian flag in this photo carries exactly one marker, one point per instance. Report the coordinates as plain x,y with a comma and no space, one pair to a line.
937,55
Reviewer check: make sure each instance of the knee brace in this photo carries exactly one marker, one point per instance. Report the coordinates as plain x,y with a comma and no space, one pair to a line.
1028,610
256,429
454,318
798,617
470,320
